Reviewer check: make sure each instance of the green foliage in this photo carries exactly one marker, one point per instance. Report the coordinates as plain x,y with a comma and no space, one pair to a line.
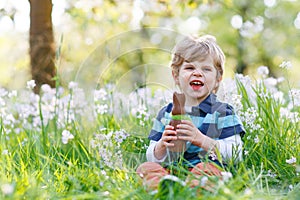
100,160
274,142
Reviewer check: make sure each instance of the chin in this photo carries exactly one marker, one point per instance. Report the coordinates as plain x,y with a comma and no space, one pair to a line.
198,96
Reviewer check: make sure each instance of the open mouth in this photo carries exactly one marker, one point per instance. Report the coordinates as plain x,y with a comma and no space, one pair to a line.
196,83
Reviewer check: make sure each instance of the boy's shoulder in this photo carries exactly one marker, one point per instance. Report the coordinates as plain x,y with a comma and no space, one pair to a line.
167,108
212,104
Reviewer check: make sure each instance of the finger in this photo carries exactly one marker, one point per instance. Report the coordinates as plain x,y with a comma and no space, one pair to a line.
169,138
184,137
169,132
184,126
187,138
169,127
187,130
186,122
168,144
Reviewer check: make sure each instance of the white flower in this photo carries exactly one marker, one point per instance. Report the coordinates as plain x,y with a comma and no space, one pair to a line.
46,88
291,116
291,161
100,95
3,92
120,136
103,172
286,65
93,143
72,85
256,139
203,181
294,96
263,70
236,21
271,174
106,193
236,101
213,156
7,189
66,136
226,176
249,29
270,82
13,93
31,84
248,192
174,179
102,109
280,79
5,152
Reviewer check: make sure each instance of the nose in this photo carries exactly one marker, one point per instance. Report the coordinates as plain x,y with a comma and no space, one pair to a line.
197,72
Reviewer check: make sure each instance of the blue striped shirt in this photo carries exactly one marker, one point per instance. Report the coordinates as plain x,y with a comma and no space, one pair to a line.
213,118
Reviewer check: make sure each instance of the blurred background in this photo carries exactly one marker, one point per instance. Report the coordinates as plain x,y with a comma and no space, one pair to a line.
251,33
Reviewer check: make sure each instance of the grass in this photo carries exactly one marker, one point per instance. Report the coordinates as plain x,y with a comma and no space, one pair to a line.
99,161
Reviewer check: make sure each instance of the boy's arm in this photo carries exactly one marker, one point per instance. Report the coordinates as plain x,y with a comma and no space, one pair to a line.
231,147
150,153
228,148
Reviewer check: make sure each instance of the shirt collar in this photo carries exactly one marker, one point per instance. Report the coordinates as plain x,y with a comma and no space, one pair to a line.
206,105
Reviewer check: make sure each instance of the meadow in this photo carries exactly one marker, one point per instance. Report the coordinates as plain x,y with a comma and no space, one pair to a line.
66,144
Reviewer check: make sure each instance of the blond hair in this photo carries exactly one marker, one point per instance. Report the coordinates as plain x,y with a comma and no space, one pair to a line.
193,48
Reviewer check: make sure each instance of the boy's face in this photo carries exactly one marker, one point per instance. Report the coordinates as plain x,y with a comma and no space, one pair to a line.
197,80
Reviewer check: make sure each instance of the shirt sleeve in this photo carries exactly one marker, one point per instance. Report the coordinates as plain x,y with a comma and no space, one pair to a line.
231,147
150,153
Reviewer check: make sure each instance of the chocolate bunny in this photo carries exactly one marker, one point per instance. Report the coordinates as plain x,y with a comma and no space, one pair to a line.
177,114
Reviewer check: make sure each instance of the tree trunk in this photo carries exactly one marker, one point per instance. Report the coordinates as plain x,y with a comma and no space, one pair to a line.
42,47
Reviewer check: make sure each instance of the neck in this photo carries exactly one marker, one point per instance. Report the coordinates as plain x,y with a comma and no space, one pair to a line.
195,102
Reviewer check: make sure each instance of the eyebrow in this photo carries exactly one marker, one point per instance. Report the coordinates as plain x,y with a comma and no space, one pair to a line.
208,66
211,66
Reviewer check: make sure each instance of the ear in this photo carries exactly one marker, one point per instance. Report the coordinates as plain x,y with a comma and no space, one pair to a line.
219,79
175,77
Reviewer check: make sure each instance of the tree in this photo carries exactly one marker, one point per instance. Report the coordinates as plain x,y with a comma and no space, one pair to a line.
42,46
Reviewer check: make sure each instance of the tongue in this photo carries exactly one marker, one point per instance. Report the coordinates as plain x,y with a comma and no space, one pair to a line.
196,87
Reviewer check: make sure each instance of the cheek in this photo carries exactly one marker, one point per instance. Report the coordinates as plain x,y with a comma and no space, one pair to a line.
183,79
212,83
184,75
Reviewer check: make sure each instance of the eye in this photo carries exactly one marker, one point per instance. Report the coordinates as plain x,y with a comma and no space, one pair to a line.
208,69
189,67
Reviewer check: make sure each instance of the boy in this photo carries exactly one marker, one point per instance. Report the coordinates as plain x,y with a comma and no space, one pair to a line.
197,69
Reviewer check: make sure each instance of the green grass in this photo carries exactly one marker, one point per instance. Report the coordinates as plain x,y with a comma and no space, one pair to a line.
100,161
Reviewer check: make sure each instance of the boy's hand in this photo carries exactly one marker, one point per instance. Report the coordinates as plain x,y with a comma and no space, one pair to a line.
168,135
189,132
193,134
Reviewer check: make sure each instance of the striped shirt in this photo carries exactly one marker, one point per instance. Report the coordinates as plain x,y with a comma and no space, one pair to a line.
213,118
